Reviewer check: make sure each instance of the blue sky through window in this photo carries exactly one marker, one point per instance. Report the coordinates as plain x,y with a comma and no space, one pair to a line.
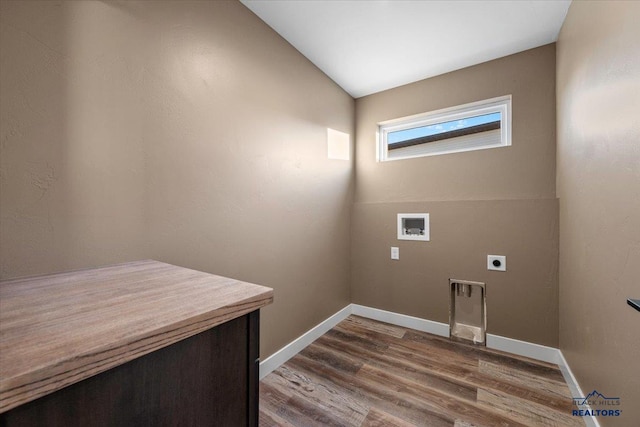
407,134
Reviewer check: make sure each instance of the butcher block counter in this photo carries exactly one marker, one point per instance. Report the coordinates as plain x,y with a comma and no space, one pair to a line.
141,343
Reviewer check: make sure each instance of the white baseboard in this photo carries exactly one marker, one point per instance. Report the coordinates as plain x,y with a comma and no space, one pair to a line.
272,362
497,342
524,348
423,325
574,387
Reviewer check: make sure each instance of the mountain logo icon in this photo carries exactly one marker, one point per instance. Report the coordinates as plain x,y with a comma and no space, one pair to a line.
595,395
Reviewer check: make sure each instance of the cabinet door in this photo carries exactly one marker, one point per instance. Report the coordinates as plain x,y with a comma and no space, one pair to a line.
209,379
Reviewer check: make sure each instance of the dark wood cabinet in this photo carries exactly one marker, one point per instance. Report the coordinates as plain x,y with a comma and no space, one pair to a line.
142,343
209,379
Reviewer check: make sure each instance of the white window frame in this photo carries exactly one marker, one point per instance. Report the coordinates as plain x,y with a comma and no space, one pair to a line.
500,104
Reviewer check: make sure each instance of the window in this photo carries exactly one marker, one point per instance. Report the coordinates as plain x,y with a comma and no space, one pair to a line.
475,126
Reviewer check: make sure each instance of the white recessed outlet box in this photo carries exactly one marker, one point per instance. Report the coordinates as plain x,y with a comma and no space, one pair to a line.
497,262
395,252
413,226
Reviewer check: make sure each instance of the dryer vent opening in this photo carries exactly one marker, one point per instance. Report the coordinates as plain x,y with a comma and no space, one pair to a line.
468,311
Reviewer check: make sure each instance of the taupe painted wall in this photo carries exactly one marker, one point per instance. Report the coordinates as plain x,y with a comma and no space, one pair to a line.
497,201
526,170
191,133
598,80
188,132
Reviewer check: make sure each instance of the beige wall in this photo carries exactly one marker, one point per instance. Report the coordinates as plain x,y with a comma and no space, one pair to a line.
526,170
598,79
498,201
188,132
191,133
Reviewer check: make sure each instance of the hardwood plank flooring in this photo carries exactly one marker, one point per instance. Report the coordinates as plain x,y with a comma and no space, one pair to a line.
368,373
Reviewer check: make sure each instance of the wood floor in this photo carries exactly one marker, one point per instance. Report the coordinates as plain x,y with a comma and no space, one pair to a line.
368,373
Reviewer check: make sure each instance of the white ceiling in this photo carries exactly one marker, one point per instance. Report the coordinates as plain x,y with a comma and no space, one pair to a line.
370,46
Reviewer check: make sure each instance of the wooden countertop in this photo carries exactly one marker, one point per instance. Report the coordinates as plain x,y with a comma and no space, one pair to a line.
59,329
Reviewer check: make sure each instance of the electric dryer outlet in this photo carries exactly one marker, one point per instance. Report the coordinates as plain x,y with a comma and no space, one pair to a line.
497,262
